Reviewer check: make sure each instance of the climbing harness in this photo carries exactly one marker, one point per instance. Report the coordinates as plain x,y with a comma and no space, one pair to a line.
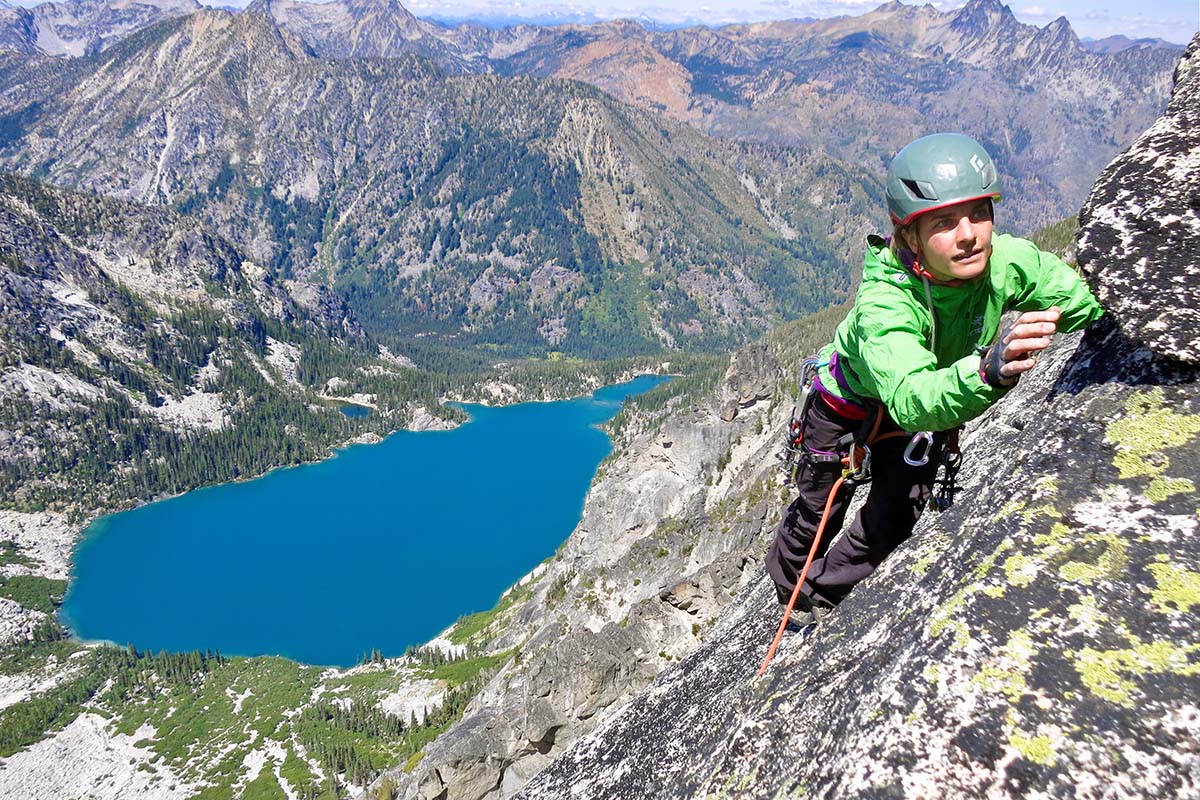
852,451
856,469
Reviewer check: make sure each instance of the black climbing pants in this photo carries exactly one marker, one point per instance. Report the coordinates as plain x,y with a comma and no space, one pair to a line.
898,494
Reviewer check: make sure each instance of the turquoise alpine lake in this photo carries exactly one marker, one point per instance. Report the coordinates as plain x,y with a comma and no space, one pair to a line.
381,547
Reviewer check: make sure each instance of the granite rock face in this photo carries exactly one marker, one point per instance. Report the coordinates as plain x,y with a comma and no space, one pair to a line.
1142,248
753,374
1038,639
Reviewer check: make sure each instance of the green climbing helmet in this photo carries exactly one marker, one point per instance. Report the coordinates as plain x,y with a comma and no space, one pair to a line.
937,171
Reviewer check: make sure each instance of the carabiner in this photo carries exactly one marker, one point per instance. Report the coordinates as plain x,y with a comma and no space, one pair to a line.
923,436
858,470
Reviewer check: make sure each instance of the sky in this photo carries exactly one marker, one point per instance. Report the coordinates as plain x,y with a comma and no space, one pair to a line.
1173,20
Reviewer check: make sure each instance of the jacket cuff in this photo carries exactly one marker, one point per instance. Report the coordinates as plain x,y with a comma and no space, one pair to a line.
976,381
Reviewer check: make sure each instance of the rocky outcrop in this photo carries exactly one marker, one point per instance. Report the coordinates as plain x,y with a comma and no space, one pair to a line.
1037,639
1142,248
753,375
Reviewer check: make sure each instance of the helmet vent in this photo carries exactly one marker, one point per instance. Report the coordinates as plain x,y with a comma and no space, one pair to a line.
989,174
922,189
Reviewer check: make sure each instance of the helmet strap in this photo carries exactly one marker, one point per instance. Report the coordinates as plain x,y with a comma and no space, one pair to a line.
917,269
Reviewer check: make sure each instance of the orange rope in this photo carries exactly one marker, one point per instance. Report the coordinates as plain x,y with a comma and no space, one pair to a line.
812,551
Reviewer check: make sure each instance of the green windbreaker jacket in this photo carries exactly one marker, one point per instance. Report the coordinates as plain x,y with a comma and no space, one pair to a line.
885,346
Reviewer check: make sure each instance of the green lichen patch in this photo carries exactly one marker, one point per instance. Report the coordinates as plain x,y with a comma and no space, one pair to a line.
922,565
1177,590
1044,510
1109,565
1020,570
1161,488
1038,749
1110,674
1087,612
1007,675
1147,430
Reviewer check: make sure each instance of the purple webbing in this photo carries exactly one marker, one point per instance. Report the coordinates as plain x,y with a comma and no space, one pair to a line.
835,369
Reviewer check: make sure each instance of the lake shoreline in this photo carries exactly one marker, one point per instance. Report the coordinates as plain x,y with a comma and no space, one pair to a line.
70,535
51,539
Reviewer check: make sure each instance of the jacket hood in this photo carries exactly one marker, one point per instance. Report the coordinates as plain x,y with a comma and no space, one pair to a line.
881,264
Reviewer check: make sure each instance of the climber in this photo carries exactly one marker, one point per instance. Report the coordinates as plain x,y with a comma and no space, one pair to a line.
920,351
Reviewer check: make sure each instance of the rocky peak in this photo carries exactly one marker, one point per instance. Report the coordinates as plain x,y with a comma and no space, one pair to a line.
982,14
206,40
18,30
988,29
1053,47
389,10
1060,33
629,28
1116,44
374,28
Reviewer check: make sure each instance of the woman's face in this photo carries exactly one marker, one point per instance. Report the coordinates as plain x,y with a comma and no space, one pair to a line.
956,241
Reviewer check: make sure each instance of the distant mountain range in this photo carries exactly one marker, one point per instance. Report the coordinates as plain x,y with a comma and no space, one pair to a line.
1115,44
1052,109
480,209
448,186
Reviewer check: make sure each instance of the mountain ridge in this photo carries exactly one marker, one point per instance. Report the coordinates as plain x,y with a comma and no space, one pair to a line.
773,81
620,227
